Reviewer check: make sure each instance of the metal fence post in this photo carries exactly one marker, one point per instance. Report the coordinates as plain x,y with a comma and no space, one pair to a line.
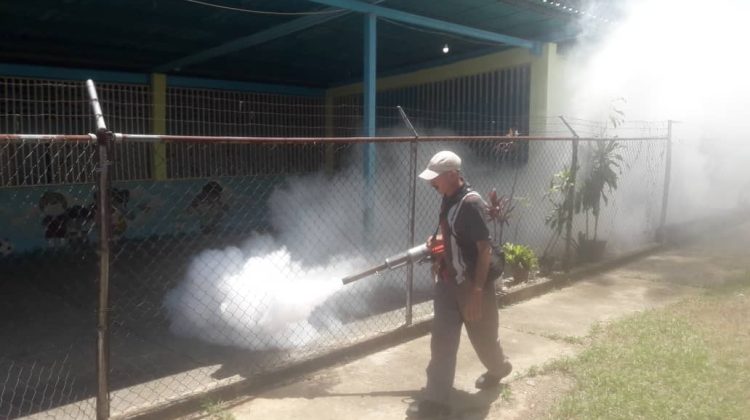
412,212
570,198
103,215
412,217
667,176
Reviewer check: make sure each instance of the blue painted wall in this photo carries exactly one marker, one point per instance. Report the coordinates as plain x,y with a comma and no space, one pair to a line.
62,216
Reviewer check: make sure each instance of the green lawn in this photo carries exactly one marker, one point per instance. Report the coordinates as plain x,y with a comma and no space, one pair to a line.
687,361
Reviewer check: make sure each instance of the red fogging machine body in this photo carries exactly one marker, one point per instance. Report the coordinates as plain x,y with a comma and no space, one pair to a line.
418,254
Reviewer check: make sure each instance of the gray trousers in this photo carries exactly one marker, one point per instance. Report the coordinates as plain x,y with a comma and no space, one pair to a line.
446,335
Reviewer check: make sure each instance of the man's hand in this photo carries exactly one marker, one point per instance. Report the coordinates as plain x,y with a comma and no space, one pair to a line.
432,239
436,262
473,310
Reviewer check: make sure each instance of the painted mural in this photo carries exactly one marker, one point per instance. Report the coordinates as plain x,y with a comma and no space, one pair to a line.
63,216
209,207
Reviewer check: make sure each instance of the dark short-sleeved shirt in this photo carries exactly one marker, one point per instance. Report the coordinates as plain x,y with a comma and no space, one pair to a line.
470,225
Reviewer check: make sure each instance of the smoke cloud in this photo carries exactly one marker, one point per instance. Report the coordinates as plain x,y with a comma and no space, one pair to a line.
283,290
667,60
682,61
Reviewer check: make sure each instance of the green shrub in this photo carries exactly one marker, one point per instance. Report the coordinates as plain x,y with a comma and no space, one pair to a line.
520,255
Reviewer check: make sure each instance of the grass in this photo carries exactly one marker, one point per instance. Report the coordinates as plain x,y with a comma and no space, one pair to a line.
506,394
570,339
214,410
533,371
687,361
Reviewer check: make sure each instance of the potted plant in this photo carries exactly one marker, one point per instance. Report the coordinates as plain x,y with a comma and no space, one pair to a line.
560,196
500,209
521,260
600,179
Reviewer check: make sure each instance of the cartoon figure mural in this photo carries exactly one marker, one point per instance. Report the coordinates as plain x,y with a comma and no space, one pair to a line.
6,248
72,225
120,214
54,208
63,224
119,199
66,218
78,224
209,206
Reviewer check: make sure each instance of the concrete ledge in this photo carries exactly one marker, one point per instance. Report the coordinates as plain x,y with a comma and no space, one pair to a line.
559,280
672,236
679,233
246,387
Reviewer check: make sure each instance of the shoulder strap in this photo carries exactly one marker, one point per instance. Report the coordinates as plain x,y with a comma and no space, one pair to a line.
457,207
453,212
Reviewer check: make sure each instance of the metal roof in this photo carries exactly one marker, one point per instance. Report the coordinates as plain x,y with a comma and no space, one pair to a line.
317,46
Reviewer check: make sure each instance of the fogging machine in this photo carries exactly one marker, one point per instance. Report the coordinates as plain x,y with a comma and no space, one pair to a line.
418,254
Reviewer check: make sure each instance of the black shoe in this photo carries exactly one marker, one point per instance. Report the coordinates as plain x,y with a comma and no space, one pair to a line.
487,380
427,409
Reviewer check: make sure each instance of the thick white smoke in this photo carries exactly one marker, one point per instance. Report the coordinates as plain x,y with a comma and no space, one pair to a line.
258,299
668,59
285,290
270,292
685,61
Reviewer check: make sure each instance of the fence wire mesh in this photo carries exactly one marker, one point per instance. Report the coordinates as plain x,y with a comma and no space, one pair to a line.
227,255
46,319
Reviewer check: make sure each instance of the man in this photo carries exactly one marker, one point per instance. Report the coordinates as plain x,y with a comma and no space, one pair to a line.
463,293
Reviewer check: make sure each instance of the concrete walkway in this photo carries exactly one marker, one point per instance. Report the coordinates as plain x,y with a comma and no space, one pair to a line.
381,385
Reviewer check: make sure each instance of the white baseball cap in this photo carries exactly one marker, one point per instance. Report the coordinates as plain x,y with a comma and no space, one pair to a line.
441,163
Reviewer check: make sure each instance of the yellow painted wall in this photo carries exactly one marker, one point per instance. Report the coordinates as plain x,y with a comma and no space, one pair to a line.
544,79
542,76
550,92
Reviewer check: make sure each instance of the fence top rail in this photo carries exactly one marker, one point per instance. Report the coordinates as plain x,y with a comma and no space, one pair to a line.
148,138
47,138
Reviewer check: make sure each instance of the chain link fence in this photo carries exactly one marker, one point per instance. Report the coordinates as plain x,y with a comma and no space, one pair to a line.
47,356
227,248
